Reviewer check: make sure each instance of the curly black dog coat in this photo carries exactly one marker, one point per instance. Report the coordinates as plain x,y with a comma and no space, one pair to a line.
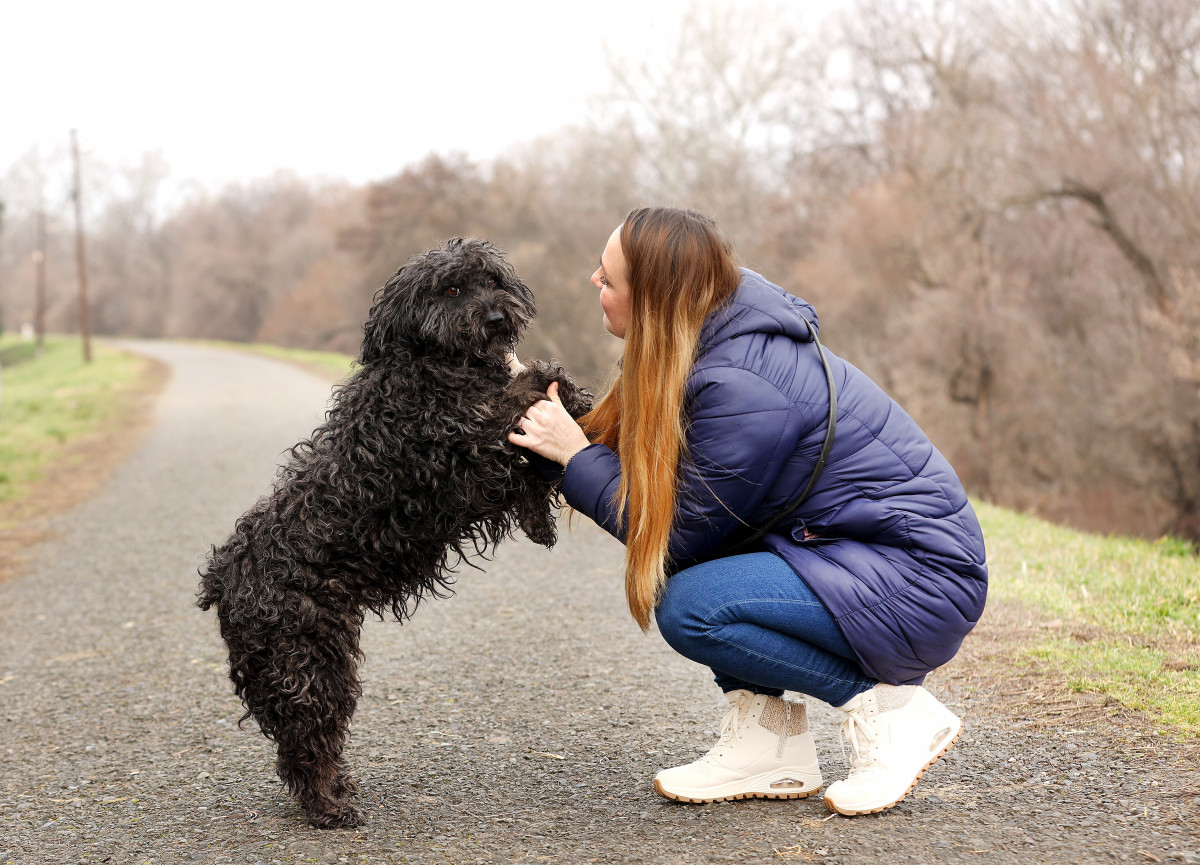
375,510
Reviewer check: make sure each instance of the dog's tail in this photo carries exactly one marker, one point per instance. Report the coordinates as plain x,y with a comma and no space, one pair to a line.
211,581
230,564
220,573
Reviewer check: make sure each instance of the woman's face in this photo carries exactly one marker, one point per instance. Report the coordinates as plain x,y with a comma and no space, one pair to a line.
611,278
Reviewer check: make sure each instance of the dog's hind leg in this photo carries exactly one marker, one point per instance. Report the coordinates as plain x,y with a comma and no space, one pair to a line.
319,689
310,764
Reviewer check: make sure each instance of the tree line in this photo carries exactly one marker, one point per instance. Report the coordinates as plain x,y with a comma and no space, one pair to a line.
994,206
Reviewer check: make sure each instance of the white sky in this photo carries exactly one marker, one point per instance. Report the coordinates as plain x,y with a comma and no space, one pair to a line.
354,89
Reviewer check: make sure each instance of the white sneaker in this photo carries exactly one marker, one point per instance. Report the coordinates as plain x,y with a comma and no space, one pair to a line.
896,733
765,752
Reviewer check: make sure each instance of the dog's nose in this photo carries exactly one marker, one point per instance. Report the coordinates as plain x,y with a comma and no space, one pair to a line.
495,318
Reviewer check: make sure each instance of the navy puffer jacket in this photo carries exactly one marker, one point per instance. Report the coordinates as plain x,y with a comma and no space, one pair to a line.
898,556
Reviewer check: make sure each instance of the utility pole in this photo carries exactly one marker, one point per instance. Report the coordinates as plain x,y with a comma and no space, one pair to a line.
1,301
80,264
2,322
39,295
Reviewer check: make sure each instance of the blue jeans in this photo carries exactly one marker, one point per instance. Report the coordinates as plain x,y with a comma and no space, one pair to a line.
758,626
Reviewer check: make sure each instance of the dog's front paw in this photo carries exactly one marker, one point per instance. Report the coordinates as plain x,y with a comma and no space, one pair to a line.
576,400
530,386
540,528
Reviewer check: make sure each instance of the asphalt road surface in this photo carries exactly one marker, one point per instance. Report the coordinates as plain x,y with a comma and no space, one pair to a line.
519,721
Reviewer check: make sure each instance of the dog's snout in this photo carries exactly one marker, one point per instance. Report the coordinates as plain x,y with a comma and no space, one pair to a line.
495,318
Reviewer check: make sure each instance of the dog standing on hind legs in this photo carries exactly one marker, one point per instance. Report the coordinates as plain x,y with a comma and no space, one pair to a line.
375,509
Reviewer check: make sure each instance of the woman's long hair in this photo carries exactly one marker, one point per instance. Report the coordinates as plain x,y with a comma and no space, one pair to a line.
679,269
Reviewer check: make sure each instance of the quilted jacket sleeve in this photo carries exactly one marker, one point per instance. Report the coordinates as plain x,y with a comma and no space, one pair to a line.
740,431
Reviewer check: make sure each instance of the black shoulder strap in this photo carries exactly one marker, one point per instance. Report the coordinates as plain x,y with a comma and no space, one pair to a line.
824,457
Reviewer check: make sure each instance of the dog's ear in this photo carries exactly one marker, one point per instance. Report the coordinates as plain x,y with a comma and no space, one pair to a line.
375,331
379,331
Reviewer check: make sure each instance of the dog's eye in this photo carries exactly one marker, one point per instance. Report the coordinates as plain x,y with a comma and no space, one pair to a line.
452,291
491,282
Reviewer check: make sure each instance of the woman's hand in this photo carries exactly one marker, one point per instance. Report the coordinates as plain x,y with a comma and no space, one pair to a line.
550,431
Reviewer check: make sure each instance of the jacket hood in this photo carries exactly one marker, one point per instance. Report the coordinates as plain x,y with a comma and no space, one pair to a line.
758,306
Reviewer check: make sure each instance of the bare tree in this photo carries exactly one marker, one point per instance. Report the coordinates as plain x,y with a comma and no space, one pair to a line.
39,264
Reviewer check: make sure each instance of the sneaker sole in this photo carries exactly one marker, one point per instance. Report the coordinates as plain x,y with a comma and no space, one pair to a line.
853,812
750,794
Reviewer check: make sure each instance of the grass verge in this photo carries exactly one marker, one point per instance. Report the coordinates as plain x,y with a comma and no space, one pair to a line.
64,426
49,402
1121,615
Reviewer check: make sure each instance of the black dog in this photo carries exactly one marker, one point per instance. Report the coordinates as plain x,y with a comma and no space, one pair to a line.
375,510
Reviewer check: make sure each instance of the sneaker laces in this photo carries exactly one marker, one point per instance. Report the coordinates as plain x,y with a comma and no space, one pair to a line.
858,732
730,725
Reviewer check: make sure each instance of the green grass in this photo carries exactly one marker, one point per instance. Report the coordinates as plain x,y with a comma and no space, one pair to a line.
15,352
1130,611
332,363
47,402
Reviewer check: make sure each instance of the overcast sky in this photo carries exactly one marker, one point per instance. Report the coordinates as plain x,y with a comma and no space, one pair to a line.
236,90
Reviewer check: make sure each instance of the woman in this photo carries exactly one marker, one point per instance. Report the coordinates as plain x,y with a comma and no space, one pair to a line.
714,424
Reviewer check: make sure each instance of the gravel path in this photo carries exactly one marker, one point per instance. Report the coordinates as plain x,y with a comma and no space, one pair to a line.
519,721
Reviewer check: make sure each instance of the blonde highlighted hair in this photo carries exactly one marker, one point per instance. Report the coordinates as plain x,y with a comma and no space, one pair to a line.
679,268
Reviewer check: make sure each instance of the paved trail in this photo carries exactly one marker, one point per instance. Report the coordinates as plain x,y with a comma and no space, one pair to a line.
519,721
